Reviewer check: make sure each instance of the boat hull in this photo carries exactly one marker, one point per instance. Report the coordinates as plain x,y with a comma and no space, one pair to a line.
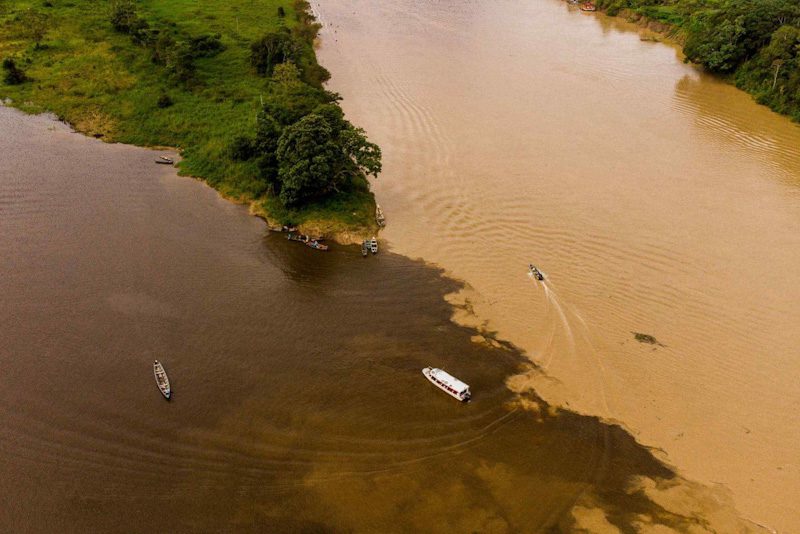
427,373
162,381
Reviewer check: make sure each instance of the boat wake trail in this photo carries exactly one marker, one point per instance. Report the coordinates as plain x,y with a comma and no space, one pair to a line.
569,343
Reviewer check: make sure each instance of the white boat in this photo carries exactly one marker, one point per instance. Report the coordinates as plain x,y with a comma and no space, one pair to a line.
448,383
161,379
373,245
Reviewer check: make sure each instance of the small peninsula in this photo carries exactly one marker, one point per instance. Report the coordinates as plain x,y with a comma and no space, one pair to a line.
234,86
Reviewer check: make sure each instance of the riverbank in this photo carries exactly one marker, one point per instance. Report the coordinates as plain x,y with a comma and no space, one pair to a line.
752,45
107,84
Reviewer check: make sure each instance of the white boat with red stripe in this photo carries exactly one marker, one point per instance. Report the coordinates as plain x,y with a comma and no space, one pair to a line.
448,383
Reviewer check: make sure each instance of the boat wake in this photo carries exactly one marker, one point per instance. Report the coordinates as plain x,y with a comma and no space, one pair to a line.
569,343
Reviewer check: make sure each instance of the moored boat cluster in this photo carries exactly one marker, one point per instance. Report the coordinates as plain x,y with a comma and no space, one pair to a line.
311,242
369,245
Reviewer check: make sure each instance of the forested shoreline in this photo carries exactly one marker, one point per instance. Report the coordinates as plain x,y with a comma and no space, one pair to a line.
753,43
235,86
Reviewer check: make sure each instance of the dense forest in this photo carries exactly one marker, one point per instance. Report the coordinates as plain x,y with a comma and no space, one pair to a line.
754,43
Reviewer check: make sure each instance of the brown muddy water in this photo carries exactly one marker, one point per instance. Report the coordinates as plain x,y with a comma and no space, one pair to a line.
298,399
656,200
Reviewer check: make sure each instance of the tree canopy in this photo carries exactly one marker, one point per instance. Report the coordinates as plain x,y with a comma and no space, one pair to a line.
305,146
321,153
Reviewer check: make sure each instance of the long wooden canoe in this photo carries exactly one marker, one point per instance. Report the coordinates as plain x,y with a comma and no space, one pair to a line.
162,381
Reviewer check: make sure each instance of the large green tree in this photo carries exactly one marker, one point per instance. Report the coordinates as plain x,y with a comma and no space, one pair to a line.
307,156
319,154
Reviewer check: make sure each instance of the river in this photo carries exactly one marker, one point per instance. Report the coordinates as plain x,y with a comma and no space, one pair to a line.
298,402
656,199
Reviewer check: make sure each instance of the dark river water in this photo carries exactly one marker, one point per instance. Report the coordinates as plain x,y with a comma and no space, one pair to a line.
298,399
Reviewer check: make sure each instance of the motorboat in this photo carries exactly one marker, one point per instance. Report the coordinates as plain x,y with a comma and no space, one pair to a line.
164,160
373,245
588,6
162,381
448,383
536,273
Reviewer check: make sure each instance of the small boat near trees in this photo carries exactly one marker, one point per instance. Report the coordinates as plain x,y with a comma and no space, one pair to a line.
448,383
373,245
311,242
588,6
316,245
303,238
161,379
365,248
164,160
379,218
536,273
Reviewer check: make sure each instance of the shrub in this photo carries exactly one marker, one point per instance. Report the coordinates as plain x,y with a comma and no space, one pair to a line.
181,64
307,31
162,48
123,15
272,49
242,148
14,75
164,101
205,45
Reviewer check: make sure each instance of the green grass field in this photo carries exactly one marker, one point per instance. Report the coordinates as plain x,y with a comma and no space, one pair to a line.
104,84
